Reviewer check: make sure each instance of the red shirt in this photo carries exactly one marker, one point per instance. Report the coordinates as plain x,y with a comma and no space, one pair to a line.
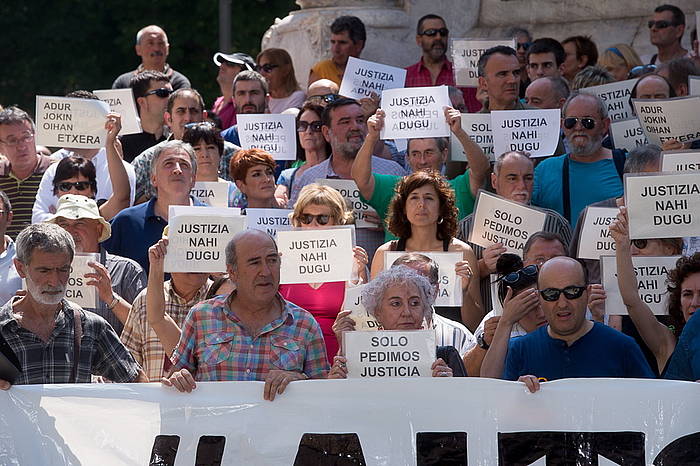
418,75
226,112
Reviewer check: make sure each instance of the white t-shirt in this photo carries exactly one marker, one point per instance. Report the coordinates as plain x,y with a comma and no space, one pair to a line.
296,99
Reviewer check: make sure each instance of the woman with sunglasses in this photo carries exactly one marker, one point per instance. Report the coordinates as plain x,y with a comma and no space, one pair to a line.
320,207
423,216
619,60
276,66
253,171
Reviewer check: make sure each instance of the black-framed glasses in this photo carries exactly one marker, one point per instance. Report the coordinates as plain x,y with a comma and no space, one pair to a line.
444,32
570,122
570,292
267,67
660,24
161,92
66,186
24,139
526,272
305,125
523,45
325,98
306,219
640,243
640,70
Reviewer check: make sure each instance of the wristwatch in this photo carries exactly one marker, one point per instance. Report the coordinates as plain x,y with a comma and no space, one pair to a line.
481,342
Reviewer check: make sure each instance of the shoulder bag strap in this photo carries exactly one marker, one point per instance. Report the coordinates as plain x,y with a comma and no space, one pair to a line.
77,336
565,188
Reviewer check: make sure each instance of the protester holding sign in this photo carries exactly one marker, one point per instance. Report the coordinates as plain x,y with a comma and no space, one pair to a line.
253,171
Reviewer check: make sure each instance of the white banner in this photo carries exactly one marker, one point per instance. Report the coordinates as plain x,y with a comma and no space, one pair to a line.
387,353
71,123
465,58
275,134
122,101
450,284
211,193
362,78
83,295
662,205
269,220
651,275
533,131
316,256
402,421
694,84
415,112
478,127
353,302
498,220
663,119
348,189
627,134
616,96
681,161
595,239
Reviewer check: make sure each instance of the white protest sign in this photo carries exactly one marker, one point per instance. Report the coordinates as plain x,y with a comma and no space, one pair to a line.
478,127
466,54
275,134
651,272
269,220
415,112
69,122
83,295
316,256
197,237
353,302
533,131
122,101
450,284
663,205
348,189
627,134
663,119
680,161
362,78
595,239
498,220
616,97
693,85
389,353
211,193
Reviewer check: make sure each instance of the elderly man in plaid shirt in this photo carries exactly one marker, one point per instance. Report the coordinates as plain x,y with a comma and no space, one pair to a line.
252,334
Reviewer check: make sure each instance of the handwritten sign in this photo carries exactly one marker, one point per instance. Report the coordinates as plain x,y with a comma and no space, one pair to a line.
651,275
122,102
316,256
681,161
389,353
662,205
498,220
198,237
466,54
353,302
362,78
478,127
71,123
693,85
275,134
533,131
269,220
596,239
616,97
78,291
211,193
416,112
627,134
348,189
663,119
450,284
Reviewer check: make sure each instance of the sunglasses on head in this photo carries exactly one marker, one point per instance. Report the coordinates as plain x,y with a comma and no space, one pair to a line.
588,123
523,45
640,70
161,92
314,125
267,67
200,124
327,98
640,243
661,24
433,32
66,186
306,219
526,272
570,292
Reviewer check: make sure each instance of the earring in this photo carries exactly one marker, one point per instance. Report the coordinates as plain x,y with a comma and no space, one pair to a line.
440,221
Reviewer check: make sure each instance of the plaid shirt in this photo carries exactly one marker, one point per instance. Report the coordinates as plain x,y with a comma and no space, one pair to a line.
141,339
101,352
215,346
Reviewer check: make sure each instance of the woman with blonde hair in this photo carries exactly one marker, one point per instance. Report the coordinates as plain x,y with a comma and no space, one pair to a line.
277,68
618,60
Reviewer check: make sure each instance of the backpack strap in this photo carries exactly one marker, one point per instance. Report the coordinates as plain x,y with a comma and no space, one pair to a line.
77,336
619,157
565,189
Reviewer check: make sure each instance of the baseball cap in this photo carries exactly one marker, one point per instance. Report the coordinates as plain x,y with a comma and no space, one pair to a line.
75,206
238,58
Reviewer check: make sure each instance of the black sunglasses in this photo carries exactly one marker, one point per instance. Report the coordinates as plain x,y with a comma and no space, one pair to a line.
327,98
640,243
444,32
661,24
267,67
523,45
570,292
66,186
526,272
161,92
588,123
314,125
306,219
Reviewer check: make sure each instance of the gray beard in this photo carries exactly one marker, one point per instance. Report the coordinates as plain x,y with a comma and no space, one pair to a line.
346,150
587,149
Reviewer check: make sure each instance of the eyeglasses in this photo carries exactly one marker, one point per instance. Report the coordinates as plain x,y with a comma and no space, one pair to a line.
523,45
570,292
24,139
661,24
326,98
267,67
306,219
433,32
588,123
640,70
66,186
640,243
314,125
526,272
161,92
200,124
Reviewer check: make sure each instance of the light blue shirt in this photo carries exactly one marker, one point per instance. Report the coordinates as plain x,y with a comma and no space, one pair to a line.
10,280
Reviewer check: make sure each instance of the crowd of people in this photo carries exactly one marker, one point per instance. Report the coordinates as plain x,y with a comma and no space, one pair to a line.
548,321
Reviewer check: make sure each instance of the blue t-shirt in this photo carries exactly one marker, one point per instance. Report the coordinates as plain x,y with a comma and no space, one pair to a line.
602,352
685,361
588,183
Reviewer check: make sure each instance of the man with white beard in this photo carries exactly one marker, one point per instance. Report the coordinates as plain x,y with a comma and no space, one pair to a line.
54,340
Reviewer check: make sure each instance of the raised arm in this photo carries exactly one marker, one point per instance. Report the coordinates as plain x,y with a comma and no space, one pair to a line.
165,327
472,310
479,166
361,170
121,191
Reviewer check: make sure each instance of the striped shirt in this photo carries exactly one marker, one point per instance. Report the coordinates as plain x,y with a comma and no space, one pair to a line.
22,193
216,346
451,333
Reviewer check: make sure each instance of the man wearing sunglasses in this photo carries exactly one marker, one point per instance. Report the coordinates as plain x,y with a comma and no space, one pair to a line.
569,345
348,38
666,28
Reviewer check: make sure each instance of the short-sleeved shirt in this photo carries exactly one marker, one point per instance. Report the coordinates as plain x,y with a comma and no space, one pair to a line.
177,79
101,352
215,346
327,69
685,361
451,333
602,352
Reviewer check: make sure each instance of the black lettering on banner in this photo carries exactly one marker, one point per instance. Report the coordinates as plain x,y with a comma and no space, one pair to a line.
684,450
164,450
441,448
330,450
210,450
